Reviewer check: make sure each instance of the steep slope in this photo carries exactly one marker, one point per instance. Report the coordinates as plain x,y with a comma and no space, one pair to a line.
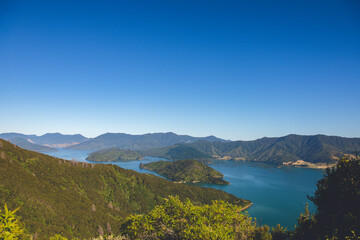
137,142
26,144
77,199
186,171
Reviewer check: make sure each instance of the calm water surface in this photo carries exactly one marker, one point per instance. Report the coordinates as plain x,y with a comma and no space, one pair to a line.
278,194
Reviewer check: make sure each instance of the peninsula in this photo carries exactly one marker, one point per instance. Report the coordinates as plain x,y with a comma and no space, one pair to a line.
186,171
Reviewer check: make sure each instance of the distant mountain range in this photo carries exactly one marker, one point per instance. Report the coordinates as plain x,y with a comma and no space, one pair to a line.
289,149
138,142
48,139
313,149
27,144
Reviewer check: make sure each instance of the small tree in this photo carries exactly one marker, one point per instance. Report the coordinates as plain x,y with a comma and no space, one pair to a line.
337,200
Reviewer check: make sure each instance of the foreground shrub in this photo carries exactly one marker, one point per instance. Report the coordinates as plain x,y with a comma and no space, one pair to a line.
183,220
10,226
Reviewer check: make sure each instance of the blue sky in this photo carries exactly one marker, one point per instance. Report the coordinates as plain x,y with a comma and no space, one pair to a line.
238,70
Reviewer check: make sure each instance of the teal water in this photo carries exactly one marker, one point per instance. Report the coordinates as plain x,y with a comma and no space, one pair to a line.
279,195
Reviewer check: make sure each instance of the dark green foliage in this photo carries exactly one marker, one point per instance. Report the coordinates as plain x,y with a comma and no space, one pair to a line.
314,149
114,155
177,152
186,171
73,199
337,201
279,233
138,142
175,219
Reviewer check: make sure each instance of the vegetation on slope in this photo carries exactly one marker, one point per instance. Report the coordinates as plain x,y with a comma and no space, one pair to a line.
337,201
79,199
186,171
177,152
337,216
183,220
313,149
138,142
114,155
10,226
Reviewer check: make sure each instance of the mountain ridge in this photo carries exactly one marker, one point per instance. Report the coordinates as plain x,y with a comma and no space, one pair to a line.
48,139
28,145
310,148
137,142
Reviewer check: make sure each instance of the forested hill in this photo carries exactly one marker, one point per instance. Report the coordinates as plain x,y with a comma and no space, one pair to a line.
177,152
114,155
77,199
314,149
186,171
138,142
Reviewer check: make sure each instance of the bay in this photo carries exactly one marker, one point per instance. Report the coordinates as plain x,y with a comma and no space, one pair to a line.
279,195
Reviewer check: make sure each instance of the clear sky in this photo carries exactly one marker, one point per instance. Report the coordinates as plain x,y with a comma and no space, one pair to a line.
238,70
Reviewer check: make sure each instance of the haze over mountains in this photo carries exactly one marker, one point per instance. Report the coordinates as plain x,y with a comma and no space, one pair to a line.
138,142
48,139
276,150
27,144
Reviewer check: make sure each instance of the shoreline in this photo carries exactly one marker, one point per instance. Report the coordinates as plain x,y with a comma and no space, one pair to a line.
303,164
246,207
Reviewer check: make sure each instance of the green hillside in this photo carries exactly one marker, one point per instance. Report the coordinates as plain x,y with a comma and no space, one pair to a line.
138,142
186,171
177,152
78,199
313,149
114,155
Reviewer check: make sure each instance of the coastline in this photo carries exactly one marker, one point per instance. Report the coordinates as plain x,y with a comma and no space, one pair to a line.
303,164
246,207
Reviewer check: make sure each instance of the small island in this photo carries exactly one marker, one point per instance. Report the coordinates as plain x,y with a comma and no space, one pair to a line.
114,155
186,171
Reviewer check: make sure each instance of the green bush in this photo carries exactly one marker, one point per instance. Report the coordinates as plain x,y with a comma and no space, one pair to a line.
183,220
10,226
279,233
